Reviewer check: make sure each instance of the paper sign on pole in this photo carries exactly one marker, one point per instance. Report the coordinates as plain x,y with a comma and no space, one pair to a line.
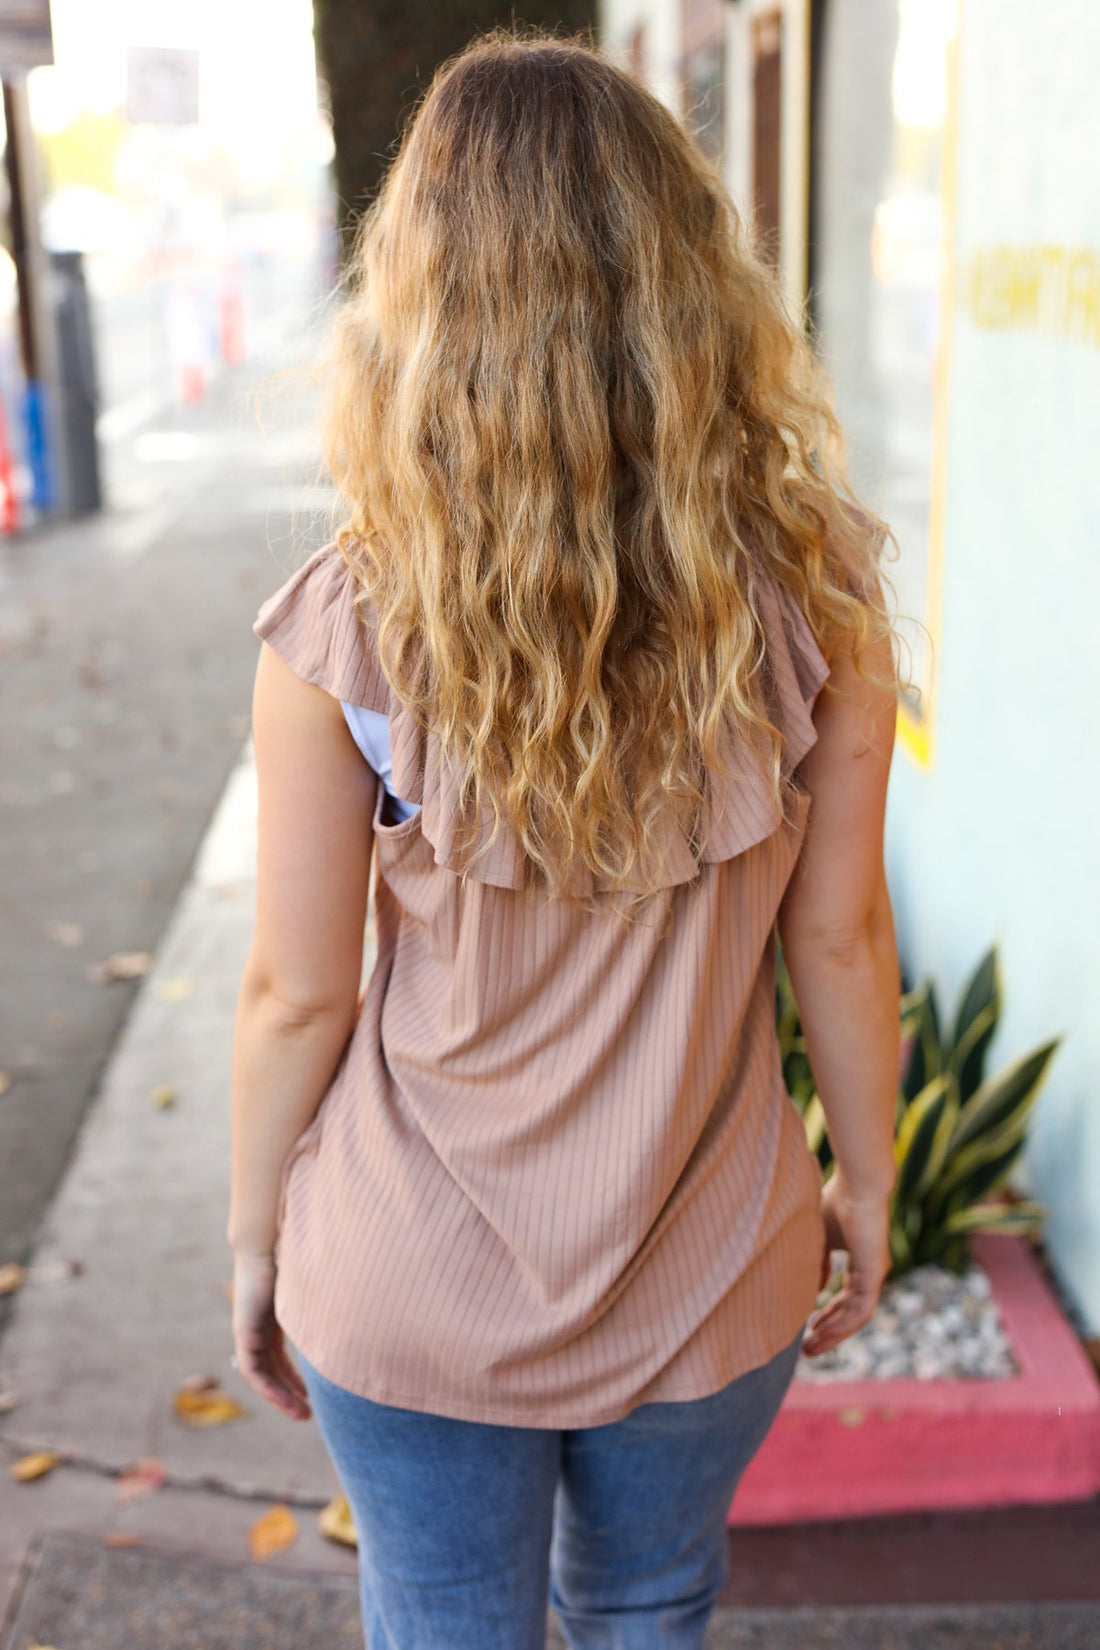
162,85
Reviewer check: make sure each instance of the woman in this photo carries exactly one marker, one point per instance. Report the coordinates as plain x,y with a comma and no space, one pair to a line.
536,1212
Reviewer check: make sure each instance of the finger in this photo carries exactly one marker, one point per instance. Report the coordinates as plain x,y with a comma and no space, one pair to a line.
261,1352
285,1364
290,1377
841,1318
270,1386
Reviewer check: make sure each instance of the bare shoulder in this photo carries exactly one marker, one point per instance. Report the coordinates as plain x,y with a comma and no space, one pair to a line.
316,798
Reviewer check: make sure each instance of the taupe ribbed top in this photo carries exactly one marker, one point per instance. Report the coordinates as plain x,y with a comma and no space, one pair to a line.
557,1173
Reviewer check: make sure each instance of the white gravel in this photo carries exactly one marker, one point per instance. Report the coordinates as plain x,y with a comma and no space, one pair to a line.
928,1325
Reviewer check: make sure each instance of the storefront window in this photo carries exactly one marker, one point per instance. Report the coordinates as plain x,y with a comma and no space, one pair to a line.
879,245
703,73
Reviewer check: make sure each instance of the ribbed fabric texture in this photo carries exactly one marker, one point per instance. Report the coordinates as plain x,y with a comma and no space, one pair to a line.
557,1173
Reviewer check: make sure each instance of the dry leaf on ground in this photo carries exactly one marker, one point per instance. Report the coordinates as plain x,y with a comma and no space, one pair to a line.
198,1383
208,1408
55,1271
35,1465
5,1081
335,1522
270,1534
65,933
122,1538
163,1094
120,965
11,1277
142,1478
172,991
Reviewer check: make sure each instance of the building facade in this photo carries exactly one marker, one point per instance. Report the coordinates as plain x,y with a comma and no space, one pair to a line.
926,175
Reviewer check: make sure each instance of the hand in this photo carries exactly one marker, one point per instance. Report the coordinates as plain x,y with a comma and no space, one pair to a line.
859,1224
262,1357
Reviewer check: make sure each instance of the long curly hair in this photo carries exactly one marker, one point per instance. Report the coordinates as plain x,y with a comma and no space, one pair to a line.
574,424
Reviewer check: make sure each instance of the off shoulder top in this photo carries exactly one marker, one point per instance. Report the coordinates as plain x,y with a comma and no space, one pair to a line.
556,1173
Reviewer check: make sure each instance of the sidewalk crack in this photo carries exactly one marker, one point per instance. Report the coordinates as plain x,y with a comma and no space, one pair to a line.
200,1482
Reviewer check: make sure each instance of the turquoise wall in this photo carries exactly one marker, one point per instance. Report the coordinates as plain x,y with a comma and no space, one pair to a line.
999,838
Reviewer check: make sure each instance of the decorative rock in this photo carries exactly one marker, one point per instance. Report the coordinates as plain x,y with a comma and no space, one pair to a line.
929,1325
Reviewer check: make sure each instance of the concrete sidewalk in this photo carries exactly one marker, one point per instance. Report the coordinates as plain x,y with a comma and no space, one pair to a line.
96,1357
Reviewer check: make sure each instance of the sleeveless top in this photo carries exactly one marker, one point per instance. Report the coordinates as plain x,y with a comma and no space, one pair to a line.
556,1173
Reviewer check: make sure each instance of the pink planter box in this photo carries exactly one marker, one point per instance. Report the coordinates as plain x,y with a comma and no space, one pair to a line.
839,1449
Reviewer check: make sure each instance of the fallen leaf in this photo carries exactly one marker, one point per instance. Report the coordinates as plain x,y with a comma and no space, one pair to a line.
5,1081
198,1383
335,1522
277,1529
69,934
163,1094
120,965
11,1277
91,673
35,1465
55,1271
8,1401
172,991
207,1409
850,1417
142,1478
122,1538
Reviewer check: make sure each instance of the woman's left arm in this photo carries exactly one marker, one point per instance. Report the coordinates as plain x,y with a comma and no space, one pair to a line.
299,995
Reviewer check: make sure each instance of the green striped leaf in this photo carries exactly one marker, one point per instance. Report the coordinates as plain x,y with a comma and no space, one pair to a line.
964,1162
923,1139
967,1058
926,1056
981,995
997,1217
1010,1093
990,1175
901,1250
813,1119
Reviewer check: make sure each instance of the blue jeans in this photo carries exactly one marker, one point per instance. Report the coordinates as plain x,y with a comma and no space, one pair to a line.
467,1530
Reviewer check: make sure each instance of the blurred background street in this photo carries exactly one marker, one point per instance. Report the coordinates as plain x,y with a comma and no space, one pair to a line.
181,179
125,629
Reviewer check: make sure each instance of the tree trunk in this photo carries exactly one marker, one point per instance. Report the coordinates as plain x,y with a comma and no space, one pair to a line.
376,56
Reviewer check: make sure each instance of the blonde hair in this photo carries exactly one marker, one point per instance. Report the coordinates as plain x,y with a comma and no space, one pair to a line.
573,425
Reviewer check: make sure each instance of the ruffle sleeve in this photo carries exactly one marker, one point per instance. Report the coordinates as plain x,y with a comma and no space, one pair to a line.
743,808
313,622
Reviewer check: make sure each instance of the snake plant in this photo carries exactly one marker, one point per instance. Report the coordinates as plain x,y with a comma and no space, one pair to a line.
958,1133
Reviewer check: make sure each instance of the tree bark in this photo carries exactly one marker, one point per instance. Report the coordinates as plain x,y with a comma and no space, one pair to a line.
377,56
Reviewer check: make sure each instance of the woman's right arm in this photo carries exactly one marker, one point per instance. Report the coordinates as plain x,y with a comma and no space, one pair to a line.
837,932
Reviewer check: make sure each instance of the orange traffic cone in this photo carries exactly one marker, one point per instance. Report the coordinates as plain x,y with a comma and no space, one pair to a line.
9,503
